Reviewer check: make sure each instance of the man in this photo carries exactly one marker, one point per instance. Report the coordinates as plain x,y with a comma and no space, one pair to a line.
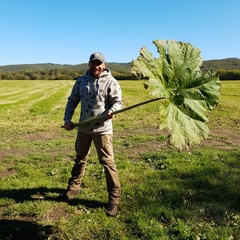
99,94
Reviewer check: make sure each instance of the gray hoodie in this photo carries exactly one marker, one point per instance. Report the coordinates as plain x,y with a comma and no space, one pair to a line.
97,95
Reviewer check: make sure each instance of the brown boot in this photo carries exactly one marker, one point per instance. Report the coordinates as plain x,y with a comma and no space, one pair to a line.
112,210
69,194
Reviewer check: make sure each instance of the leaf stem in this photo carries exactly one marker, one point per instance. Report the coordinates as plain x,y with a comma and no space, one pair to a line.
103,118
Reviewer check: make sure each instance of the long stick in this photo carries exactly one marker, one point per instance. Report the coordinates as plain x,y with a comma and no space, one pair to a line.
103,118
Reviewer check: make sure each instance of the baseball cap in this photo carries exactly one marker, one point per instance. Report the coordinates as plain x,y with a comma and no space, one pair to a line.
97,56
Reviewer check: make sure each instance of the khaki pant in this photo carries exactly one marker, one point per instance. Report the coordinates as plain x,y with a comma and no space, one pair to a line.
104,147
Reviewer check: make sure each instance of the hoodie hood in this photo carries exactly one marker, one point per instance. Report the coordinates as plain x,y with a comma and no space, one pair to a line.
105,72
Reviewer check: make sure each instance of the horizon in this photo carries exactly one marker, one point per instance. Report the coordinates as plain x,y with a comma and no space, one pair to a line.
106,62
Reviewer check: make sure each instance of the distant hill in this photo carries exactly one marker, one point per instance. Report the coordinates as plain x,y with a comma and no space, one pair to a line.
117,67
221,64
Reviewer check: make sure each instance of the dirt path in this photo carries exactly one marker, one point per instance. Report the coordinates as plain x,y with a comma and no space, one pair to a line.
217,139
223,139
226,140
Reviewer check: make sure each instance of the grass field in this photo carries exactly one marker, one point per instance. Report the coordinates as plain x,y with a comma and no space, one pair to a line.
166,195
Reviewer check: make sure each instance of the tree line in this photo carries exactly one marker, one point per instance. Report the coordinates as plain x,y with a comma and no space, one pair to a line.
229,74
53,74
63,74
227,69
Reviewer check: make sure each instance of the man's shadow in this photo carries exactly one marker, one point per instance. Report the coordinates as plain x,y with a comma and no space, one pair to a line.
23,230
34,194
16,229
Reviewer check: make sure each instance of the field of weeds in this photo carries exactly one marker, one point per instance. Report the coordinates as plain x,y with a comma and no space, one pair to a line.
194,194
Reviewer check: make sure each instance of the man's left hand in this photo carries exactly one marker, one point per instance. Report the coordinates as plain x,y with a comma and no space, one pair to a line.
109,114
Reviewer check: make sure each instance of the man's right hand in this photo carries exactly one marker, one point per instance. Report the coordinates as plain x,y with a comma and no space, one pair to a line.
69,126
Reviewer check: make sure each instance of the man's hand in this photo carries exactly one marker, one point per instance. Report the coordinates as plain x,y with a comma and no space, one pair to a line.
69,126
109,114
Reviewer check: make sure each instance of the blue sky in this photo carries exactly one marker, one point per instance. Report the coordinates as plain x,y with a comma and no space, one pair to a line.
68,31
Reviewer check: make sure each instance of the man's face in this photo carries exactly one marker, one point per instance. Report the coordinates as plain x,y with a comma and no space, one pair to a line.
96,67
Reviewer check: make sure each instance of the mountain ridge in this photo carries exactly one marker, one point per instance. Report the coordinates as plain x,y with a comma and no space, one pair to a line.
216,64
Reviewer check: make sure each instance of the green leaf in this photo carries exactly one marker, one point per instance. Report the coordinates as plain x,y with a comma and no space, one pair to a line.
190,94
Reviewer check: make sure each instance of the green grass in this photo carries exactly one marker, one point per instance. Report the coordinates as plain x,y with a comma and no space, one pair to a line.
227,112
165,194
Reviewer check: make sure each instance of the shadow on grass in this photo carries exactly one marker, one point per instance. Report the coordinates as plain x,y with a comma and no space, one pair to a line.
33,194
18,229
213,185
210,191
21,195
23,230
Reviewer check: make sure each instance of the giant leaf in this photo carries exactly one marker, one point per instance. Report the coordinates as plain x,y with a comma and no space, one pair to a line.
189,93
